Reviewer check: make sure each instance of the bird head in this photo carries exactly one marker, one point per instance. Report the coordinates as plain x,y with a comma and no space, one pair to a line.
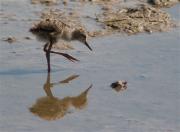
80,35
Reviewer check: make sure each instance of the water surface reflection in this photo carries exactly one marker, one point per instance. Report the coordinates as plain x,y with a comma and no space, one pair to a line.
50,107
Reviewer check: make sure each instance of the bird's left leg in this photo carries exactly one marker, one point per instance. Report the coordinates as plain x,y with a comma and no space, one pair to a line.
69,57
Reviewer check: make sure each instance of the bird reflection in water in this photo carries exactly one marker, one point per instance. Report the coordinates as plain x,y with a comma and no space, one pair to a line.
52,108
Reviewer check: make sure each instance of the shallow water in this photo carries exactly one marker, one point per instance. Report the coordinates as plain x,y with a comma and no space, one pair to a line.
149,63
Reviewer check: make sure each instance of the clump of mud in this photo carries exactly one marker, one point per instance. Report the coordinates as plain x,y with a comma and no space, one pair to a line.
105,4
136,20
10,39
46,2
163,3
120,85
99,0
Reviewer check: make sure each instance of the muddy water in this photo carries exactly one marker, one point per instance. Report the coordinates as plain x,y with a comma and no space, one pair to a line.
149,63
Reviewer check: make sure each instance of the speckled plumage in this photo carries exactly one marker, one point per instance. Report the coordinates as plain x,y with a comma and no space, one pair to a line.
50,30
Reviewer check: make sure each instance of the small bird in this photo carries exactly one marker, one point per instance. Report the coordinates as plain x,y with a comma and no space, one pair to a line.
51,30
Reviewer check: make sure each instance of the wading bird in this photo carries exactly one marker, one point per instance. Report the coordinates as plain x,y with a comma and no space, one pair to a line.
51,30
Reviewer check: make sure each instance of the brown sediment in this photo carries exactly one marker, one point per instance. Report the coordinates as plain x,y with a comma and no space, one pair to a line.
101,1
46,2
27,38
136,20
163,3
105,4
99,33
10,39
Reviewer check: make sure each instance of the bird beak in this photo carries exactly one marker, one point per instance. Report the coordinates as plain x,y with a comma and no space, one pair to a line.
88,45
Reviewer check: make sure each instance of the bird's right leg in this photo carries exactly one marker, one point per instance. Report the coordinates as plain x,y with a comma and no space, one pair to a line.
47,49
